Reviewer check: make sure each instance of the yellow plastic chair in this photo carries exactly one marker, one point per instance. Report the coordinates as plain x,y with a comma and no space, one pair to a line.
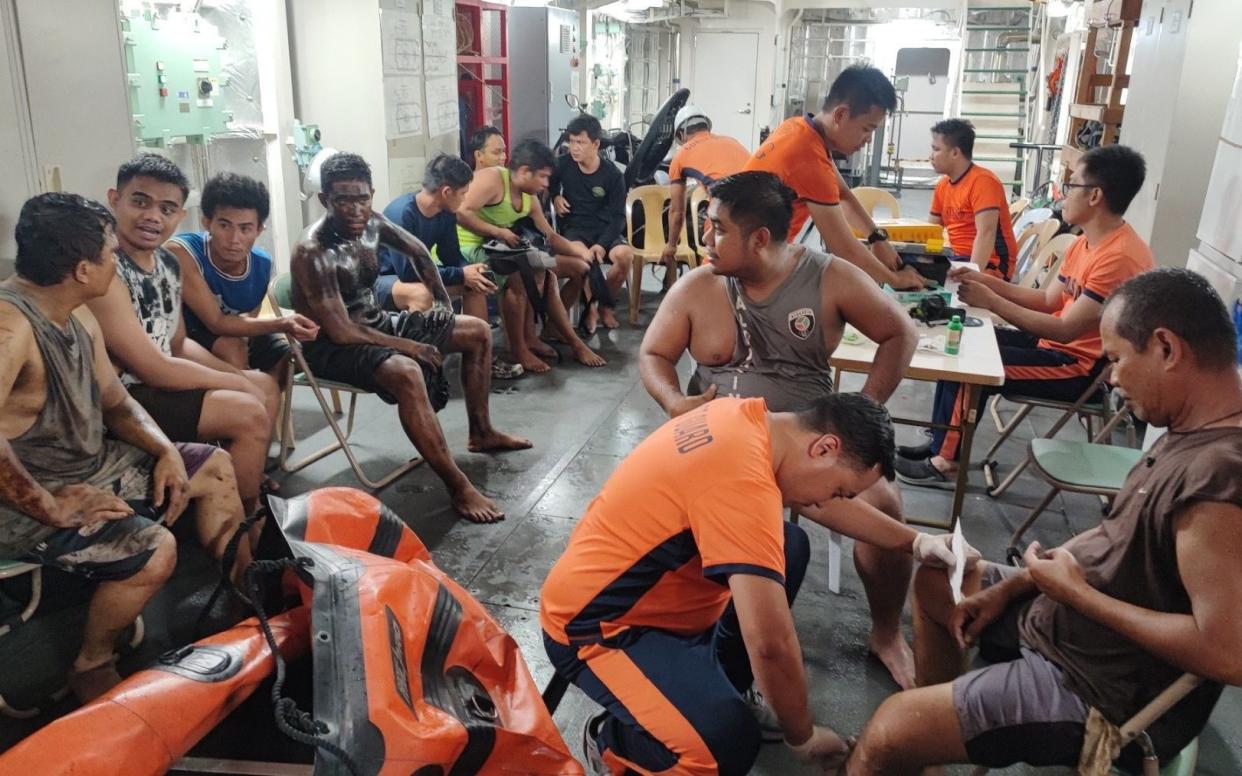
1017,208
871,198
698,199
652,199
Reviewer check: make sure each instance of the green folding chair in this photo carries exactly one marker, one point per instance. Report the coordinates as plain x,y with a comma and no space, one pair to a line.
1091,403
1093,467
280,297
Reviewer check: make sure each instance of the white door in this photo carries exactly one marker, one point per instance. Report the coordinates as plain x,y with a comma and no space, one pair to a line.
723,85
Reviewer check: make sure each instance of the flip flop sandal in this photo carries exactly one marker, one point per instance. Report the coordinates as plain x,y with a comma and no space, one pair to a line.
502,370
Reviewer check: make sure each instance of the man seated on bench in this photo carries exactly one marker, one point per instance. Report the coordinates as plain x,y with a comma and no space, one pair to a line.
498,199
397,356
588,192
193,395
1112,617
970,201
1056,346
72,496
224,280
430,215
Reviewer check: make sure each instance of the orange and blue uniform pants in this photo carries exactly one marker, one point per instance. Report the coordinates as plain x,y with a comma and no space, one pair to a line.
1030,370
674,702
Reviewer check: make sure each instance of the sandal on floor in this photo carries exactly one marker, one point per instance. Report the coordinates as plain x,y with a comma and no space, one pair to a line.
502,370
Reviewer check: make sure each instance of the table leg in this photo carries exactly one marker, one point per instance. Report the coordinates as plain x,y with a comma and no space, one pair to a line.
969,419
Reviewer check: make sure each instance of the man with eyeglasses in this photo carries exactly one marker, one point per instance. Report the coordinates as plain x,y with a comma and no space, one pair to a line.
1057,345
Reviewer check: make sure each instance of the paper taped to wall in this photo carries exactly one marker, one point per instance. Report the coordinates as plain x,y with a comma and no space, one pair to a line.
441,106
403,106
401,43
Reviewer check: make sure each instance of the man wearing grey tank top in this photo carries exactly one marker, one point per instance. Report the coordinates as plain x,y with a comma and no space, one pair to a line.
71,496
762,320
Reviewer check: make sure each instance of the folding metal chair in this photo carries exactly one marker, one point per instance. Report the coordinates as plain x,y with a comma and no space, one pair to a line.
1094,467
1092,403
281,299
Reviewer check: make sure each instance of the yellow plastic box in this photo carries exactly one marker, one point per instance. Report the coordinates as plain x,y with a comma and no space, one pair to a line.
909,230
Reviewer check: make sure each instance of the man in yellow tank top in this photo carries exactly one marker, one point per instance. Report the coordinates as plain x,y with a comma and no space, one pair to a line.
489,213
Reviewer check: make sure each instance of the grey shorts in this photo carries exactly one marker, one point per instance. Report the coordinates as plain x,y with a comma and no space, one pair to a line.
117,549
1017,710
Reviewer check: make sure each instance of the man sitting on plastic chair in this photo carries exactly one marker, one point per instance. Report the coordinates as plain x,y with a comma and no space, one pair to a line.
1098,627
1055,349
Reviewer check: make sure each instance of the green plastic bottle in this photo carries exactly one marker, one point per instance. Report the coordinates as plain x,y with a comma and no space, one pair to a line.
953,344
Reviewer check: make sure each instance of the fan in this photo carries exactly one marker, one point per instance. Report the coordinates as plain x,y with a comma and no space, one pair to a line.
659,138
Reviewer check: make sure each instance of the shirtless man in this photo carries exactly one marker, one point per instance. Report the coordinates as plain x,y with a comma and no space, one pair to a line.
398,356
762,321
71,497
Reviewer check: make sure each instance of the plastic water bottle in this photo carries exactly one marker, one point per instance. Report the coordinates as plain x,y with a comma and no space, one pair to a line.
953,344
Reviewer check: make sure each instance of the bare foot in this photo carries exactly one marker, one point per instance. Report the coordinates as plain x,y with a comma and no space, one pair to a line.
476,507
589,357
896,656
89,684
590,319
496,441
609,318
543,349
531,363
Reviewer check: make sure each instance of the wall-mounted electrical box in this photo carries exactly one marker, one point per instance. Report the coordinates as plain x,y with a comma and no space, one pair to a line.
175,79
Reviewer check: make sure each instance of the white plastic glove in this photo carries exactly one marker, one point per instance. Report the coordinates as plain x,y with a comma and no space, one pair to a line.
937,551
824,747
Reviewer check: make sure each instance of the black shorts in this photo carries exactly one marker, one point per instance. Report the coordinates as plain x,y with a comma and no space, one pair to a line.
590,238
177,413
116,549
356,364
266,350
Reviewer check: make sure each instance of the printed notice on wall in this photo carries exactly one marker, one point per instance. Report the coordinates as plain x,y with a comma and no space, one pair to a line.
441,106
401,43
406,173
439,38
403,106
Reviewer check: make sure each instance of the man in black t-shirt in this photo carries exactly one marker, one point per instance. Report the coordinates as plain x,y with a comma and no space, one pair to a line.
589,196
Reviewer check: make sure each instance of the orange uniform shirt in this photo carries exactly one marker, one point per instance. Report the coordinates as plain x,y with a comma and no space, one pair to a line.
957,203
1097,271
796,152
707,158
694,503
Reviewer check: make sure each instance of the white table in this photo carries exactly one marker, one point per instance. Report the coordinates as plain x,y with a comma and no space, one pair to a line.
977,364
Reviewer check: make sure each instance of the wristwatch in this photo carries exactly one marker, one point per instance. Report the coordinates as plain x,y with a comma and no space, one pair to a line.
877,235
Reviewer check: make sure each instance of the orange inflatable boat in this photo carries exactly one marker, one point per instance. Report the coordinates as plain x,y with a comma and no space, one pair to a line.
411,674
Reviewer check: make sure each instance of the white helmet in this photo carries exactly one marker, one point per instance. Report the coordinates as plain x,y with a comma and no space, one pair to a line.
690,115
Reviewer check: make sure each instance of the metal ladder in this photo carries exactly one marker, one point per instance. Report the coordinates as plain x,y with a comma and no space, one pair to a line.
994,84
